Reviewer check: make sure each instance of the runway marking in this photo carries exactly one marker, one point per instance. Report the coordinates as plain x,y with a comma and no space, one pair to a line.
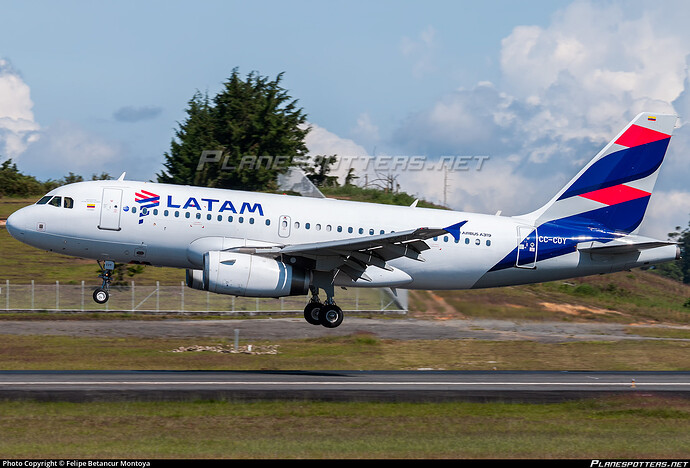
561,384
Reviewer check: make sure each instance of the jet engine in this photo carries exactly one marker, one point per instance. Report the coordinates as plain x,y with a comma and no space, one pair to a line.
241,274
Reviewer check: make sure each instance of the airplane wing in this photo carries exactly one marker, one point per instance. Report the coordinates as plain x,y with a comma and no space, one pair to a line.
353,255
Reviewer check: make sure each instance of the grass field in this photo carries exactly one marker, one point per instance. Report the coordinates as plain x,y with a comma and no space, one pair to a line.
356,352
621,427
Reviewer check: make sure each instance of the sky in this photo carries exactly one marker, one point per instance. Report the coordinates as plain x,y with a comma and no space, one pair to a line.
532,90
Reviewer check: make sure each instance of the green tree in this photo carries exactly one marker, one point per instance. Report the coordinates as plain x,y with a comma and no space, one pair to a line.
679,269
194,136
14,183
253,122
72,178
318,173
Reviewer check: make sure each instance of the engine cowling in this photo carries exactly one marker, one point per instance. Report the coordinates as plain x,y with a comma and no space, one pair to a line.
248,275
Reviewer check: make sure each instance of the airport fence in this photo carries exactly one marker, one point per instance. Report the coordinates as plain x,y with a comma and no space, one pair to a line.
179,299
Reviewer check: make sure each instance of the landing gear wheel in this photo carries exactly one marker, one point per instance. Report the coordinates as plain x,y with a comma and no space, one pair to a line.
101,296
331,316
312,312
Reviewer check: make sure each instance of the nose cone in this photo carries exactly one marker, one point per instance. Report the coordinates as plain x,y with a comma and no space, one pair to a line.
16,223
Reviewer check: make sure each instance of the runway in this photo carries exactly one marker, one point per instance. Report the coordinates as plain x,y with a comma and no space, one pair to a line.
528,386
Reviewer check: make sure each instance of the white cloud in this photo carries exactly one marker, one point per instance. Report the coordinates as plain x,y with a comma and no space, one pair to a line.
46,152
420,51
17,125
321,142
66,147
565,90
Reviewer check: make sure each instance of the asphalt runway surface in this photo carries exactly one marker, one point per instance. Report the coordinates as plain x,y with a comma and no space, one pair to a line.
532,386
336,385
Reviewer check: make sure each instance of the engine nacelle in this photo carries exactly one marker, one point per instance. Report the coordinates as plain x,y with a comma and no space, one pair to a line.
195,279
248,275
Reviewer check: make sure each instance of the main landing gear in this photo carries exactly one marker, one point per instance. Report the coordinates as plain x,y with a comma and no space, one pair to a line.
102,294
327,314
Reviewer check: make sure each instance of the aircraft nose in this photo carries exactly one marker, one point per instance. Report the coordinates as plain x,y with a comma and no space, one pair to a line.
16,223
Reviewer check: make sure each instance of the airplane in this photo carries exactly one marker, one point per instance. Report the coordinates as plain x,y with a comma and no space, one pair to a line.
273,245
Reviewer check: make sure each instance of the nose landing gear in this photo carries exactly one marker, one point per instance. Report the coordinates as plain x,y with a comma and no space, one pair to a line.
102,294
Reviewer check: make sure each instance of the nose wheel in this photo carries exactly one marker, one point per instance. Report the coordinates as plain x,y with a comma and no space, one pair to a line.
102,294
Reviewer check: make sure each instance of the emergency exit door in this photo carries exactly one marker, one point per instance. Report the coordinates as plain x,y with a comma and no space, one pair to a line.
284,226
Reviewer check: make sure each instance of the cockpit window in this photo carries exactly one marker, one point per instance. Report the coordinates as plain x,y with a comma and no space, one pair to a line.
44,200
69,203
56,201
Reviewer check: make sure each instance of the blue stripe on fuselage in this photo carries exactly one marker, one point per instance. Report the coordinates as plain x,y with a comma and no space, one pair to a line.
561,236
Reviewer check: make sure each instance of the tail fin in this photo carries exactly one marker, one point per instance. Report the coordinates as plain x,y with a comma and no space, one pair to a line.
612,191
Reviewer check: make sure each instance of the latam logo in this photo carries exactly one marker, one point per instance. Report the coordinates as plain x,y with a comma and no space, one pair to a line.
215,204
146,200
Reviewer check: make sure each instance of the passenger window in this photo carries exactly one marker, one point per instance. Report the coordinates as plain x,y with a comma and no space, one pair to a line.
488,243
349,230
186,215
296,224
307,225
44,200
134,209
340,229
361,230
371,232
268,222
467,240
220,217
177,213
229,219
328,227
477,242
165,213
56,201
251,220
318,227
198,216
69,203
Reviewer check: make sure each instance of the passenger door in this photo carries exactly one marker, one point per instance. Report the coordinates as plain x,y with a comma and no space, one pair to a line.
111,208
527,247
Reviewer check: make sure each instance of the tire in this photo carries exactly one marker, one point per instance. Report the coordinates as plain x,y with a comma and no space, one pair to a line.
331,316
312,312
101,296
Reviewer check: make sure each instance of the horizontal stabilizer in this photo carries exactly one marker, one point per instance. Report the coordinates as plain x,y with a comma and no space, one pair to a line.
622,246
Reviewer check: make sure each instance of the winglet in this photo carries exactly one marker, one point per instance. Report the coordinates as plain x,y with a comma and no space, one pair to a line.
454,230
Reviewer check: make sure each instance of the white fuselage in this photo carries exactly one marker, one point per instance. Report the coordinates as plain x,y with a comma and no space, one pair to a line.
182,223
